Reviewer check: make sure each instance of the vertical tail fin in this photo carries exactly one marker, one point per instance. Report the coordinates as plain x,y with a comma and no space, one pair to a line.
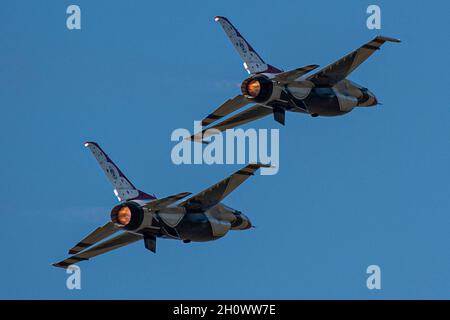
123,188
253,63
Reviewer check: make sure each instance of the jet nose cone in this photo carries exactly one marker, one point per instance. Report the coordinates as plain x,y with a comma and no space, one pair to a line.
242,222
367,99
246,223
374,102
249,223
373,99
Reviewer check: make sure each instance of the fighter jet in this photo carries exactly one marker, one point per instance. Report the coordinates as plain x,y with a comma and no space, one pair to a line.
140,216
327,92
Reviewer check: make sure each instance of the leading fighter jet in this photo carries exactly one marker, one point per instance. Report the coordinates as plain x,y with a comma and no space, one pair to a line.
327,92
140,216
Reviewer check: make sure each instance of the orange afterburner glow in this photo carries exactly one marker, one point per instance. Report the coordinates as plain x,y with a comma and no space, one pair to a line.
254,88
124,216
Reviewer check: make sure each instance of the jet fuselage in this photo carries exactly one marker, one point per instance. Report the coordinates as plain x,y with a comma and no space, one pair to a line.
306,97
178,223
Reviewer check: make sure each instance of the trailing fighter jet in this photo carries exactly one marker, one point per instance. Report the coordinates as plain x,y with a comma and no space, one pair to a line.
141,216
327,92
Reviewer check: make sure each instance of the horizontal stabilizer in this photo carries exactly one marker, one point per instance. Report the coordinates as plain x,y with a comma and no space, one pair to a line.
225,109
256,112
94,237
121,240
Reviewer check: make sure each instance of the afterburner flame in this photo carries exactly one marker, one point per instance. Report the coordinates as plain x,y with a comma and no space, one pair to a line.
124,216
254,88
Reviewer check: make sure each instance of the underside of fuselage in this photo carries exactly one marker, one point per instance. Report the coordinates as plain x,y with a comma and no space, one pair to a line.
324,100
200,226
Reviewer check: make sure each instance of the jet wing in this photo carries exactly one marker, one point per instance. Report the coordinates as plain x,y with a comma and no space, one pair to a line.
94,237
340,69
114,243
291,75
216,193
225,109
164,202
256,112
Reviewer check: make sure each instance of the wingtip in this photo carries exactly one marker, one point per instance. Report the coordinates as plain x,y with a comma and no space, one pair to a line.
389,39
87,143
260,165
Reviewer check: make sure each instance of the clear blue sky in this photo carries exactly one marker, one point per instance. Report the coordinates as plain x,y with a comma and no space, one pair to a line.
371,187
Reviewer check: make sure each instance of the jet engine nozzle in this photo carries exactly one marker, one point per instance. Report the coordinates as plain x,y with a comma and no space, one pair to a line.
128,215
257,88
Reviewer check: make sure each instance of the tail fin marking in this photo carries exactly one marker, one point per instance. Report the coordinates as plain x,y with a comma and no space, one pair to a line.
123,188
253,63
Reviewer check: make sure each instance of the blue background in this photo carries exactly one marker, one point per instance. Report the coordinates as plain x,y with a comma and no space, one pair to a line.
367,188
